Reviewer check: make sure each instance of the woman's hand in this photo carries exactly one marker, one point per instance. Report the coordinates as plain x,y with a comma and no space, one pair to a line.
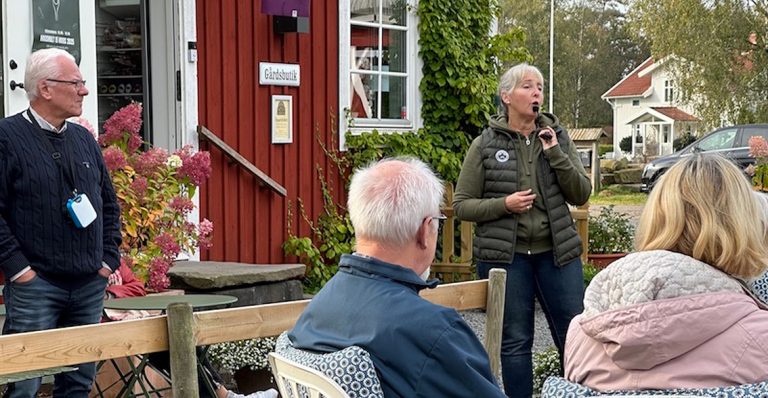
547,137
520,202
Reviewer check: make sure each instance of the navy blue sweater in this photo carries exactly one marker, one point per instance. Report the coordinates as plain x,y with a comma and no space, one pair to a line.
35,228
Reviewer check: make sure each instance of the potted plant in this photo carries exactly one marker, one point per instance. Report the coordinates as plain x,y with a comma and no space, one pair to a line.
246,361
611,236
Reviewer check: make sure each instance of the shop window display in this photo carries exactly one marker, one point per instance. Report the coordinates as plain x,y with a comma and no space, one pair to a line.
121,58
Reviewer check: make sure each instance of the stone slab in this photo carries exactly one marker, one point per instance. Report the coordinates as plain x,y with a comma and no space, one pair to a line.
265,293
208,275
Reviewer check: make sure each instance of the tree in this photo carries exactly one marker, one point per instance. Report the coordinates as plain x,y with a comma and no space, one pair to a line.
593,51
719,60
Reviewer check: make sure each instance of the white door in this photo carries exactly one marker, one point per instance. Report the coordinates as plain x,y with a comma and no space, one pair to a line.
16,34
16,45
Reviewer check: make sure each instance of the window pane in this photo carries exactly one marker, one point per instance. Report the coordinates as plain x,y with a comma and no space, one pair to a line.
365,43
394,12
394,44
365,10
393,101
364,88
720,140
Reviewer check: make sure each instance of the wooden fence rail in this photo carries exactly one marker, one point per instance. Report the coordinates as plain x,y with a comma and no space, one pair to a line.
70,346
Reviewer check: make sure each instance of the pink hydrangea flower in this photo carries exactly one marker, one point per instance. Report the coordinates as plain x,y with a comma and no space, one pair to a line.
167,245
182,204
151,161
158,273
196,167
139,187
126,122
114,158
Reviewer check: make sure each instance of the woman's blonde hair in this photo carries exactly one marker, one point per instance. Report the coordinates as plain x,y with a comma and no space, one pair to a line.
704,207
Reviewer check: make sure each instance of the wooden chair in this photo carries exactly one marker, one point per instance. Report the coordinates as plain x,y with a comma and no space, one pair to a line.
291,377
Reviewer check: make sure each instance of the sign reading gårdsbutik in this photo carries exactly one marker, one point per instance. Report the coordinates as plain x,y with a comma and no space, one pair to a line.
271,74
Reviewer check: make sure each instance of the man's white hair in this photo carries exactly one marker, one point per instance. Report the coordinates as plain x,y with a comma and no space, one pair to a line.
41,65
389,199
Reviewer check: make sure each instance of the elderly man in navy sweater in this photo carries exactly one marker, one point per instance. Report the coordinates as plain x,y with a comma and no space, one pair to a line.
419,349
59,217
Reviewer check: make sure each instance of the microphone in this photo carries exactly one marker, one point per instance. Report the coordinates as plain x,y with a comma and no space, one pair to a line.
546,134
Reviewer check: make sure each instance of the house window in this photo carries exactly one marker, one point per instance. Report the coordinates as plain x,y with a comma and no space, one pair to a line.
635,102
669,91
378,72
638,136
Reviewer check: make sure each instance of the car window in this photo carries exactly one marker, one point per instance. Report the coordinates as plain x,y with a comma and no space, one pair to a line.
750,132
719,140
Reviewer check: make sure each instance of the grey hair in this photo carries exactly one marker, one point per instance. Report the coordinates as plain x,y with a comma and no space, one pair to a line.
41,65
512,77
389,199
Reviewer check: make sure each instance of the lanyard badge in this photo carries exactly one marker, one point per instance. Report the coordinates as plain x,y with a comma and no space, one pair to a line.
81,210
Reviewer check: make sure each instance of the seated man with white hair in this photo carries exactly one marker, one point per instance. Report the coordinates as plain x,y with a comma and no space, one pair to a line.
419,349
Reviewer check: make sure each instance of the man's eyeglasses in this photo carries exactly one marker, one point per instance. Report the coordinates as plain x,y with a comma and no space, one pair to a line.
439,218
77,83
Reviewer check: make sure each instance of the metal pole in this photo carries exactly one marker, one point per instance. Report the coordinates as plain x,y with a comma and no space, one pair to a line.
551,108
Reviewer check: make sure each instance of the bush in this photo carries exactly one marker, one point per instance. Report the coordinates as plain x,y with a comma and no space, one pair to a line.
604,148
626,144
545,364
590,270
683,141
233,355
610,232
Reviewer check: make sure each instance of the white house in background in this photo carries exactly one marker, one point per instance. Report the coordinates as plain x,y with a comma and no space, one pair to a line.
647,106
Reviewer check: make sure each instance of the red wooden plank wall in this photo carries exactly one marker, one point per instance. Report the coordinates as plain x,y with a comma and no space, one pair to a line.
250,222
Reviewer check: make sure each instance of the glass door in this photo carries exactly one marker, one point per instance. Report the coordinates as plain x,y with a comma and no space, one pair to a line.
121,58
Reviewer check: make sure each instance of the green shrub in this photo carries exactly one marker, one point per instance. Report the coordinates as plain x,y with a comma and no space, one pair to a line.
545,364
610,232
590,270
604,148
683,141
626,144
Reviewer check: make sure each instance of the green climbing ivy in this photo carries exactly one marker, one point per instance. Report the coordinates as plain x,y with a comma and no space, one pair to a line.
461,61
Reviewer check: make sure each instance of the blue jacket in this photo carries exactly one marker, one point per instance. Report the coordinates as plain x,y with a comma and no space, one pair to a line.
419,349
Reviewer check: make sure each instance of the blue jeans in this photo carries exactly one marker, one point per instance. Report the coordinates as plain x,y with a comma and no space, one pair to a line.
560,291
40,305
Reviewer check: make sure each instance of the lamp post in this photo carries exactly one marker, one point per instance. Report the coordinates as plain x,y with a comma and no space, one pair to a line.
551,51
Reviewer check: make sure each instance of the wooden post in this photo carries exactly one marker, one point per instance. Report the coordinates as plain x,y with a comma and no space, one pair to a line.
581,216
181,340
494,312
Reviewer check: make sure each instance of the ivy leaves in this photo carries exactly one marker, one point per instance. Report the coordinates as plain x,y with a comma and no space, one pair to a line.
460,64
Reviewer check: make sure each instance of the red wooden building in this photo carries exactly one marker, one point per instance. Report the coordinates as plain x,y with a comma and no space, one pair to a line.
357,63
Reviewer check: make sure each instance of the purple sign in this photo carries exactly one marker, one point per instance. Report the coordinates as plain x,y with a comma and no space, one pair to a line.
288,8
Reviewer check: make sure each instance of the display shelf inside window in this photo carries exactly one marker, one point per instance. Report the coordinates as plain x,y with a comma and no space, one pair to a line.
120,63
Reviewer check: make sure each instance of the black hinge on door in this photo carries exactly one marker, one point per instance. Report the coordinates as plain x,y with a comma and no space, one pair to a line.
178,85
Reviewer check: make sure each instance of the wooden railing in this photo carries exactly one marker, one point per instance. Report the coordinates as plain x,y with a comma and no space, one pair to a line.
69,346
455,268
264,179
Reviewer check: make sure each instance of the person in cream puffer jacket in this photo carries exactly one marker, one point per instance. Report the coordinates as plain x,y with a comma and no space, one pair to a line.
675,314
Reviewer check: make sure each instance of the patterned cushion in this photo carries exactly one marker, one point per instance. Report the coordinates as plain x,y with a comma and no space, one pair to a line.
561,388
352,367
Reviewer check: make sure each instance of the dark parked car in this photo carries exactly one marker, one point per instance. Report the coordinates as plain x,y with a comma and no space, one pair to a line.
731,142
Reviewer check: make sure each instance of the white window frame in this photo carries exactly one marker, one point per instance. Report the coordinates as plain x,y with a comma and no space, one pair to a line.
669,91
413,70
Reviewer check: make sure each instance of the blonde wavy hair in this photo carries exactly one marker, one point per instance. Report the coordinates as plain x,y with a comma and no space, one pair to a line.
703,207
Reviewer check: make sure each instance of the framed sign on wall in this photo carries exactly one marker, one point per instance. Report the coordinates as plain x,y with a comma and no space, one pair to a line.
282,119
